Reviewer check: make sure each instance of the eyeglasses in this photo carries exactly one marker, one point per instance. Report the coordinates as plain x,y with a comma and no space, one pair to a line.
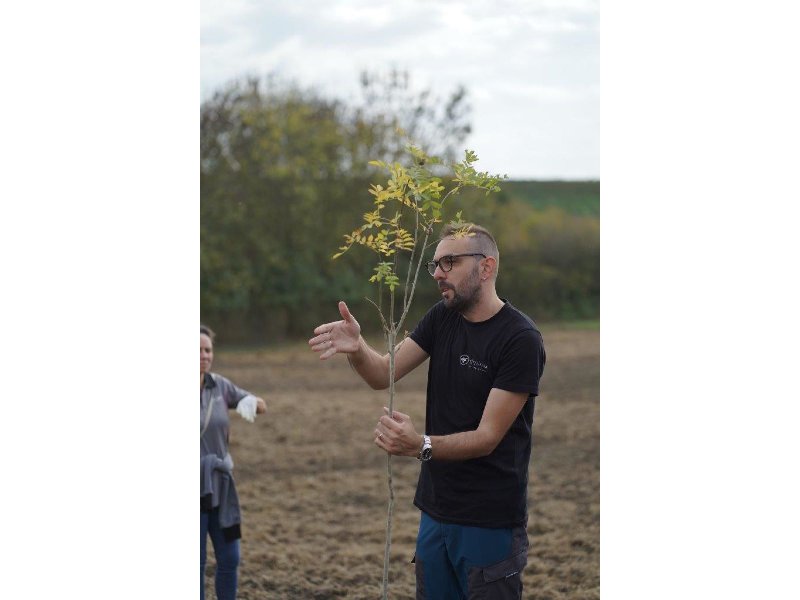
446,262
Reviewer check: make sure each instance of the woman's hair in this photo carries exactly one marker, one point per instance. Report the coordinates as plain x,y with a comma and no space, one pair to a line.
207,330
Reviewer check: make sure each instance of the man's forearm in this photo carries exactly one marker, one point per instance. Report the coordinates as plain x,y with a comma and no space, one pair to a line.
462,446
371,366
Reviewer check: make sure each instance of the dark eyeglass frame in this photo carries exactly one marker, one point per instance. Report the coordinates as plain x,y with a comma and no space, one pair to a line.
447,265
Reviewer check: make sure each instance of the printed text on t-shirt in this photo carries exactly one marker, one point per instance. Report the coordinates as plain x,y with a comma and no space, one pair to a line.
476,365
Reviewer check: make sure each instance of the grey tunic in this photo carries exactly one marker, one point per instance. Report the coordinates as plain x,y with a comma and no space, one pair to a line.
217,489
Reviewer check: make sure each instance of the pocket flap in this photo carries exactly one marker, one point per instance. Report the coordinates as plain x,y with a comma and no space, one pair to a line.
507,568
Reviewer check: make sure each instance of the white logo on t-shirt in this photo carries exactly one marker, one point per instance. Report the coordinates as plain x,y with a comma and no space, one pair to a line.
473,364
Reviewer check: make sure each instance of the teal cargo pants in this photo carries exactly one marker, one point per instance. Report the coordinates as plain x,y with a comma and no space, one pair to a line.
459,562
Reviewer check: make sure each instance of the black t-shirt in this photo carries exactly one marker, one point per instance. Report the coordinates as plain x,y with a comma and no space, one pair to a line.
467,360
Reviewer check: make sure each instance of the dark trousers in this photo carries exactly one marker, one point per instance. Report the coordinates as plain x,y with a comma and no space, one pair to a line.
227,554
459,562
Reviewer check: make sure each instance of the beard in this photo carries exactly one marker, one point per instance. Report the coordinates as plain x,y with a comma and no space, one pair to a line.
466,295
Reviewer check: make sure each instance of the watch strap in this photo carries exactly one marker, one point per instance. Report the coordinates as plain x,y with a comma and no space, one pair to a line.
425,450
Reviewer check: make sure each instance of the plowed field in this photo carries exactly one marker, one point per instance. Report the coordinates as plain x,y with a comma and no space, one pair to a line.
313,486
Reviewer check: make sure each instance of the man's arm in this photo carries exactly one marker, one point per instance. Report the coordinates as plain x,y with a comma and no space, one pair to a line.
374,368
398,436
345,337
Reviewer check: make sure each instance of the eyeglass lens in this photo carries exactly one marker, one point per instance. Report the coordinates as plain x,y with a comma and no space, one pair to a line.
445,264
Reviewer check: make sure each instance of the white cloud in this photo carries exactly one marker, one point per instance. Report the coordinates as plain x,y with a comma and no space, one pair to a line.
527,65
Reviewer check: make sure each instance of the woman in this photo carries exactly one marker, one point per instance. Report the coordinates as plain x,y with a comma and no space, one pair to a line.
219,504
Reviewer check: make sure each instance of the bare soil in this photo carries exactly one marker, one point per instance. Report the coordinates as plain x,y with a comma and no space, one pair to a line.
313,485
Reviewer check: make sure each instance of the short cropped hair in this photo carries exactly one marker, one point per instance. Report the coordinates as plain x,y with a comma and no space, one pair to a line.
482,240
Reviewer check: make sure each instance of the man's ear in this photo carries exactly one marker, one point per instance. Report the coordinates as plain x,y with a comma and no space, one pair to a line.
488,267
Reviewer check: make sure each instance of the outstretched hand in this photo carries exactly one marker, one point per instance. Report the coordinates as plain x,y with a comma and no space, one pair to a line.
338,336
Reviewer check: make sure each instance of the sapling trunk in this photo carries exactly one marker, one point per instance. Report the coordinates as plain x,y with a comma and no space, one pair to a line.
390,339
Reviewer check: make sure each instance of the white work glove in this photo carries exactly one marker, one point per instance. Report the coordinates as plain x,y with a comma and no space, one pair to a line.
247,408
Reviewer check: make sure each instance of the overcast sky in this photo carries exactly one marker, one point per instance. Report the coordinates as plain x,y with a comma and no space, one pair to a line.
531,67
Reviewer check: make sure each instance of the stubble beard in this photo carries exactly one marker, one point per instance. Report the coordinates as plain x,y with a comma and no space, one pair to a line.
467,297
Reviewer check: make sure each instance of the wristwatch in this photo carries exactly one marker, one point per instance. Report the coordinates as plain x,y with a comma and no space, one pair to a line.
427,451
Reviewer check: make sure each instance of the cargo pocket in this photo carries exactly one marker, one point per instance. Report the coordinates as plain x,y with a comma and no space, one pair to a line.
420,578
500,581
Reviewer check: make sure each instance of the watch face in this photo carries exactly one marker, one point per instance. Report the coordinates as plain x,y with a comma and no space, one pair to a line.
426,453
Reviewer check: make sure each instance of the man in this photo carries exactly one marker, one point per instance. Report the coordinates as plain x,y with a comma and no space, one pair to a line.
486,358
